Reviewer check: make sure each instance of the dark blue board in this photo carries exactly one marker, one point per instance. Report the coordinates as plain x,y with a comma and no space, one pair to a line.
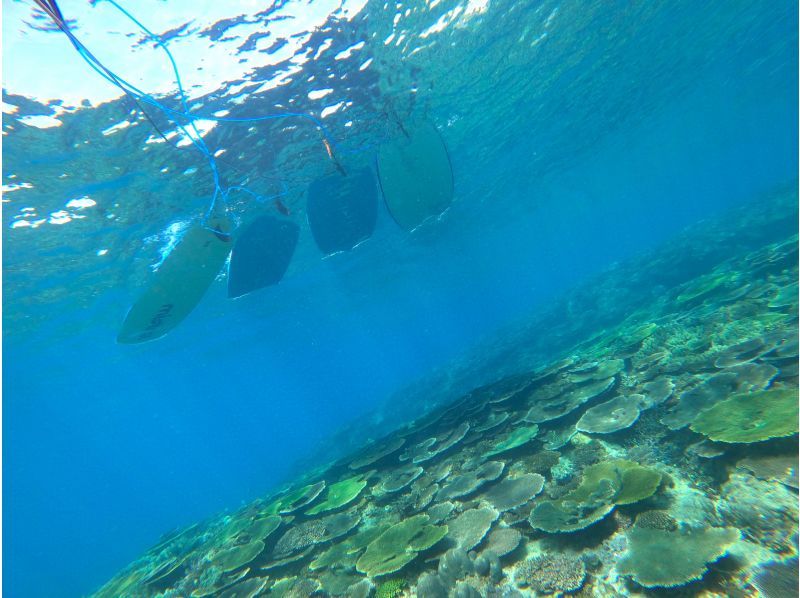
342,210
261,255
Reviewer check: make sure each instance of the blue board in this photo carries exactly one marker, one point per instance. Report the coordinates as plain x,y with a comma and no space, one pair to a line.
342,210
261,255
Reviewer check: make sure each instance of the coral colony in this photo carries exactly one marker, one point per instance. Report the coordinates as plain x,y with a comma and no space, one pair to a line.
642,457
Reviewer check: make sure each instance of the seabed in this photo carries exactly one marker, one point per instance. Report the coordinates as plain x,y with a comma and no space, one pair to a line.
654,455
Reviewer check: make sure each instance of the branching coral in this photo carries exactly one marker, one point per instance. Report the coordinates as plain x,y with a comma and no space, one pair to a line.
552,573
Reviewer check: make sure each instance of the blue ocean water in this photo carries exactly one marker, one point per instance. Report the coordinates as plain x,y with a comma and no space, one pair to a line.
621,126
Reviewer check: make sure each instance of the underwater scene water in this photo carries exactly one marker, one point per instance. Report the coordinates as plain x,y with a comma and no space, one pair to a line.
512,306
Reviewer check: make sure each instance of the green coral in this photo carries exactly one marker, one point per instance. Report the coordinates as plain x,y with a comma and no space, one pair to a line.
376,452
631,482
281,587
397,479
702,286
210,583
399,545
662,558
785,296
635,482
258,529
345,554
293,587
557,516
238,556
471,526
296,499
431,447
364,537
616,414
555,439
252,586
391,588
337,556
638,334
556,404
516,438
601,371
337,582
750,417
339,494
603,486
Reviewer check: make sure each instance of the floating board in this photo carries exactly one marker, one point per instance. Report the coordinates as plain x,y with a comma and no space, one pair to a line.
342,210
178,285
261,255
415,176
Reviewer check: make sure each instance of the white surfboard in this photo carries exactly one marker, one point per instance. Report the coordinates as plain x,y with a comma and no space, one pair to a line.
179,284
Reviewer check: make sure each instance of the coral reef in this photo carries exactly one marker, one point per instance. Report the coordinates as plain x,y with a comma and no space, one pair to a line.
430,448
497,418
541,462
375,453
751,417
670,416
612,416
549,574
391,588
664,558
502,541
468,482
781,468
656,520
656,391
398,479
766,512
547,409
296,499
339,494
248,588
399,545
237,556
777,579
557,438
603,486
517,437
596,371
513,492
469,528
360,589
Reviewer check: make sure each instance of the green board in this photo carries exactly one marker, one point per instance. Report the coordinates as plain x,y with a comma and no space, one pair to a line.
178,285
415,175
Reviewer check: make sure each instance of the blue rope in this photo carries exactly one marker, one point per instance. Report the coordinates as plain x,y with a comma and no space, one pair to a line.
256,196
190,129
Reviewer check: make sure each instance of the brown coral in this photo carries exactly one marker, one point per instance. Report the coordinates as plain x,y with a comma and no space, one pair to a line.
552,573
